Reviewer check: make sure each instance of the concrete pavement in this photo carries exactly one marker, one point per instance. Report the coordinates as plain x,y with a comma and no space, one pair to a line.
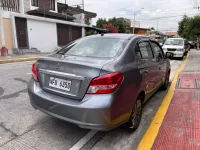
24,128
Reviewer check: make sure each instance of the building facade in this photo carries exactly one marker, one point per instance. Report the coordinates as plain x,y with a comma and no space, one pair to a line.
36,25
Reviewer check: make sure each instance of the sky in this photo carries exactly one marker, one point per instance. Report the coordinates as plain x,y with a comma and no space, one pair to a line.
163,15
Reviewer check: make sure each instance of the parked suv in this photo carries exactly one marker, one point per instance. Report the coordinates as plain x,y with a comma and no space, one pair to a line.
101,81
175,46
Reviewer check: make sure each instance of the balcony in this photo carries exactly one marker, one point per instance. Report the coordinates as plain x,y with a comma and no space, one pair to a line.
9,5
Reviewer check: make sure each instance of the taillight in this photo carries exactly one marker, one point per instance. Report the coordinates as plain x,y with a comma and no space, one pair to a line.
35,73
105,84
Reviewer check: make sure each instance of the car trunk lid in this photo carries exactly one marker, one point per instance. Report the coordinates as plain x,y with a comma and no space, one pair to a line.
68,76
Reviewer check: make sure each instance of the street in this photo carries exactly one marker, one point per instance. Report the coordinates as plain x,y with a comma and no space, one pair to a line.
22,127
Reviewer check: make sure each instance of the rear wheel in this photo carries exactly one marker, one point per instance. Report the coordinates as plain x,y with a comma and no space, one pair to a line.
136,115
166,84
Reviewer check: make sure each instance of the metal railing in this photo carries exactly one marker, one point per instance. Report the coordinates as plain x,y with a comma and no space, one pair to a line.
9,5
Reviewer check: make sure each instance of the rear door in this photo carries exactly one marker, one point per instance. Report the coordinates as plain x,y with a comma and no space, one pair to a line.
147,66
160,62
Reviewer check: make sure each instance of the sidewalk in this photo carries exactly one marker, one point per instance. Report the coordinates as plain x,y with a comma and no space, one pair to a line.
180,128
20,58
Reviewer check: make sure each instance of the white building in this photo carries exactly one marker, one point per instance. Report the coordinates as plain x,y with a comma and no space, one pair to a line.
31,25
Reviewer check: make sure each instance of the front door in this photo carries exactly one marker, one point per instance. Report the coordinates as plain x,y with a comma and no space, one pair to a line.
21,30
160,61
148,68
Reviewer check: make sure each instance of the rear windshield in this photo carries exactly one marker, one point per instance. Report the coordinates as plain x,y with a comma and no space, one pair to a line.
95,47
174,42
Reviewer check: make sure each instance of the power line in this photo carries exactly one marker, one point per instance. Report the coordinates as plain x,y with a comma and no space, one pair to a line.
169,16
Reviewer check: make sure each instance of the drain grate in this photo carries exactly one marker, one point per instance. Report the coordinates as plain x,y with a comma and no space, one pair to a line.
184,83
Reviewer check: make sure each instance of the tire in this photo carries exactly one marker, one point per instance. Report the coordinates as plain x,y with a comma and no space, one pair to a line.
166,84
181,58
185,53
136,115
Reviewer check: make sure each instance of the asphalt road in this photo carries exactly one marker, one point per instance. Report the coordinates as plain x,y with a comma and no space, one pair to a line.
24,128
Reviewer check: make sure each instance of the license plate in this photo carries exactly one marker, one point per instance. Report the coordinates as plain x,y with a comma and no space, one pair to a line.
60,84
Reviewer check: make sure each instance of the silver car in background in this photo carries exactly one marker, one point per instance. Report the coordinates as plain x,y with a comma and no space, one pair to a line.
175,46
101,81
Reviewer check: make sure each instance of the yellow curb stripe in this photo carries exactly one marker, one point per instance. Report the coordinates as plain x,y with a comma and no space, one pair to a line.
149,137
17,60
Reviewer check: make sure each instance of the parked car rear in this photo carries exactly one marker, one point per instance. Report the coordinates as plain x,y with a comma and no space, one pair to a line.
101,81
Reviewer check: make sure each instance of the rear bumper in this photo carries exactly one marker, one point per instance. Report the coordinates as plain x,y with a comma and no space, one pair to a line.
93,112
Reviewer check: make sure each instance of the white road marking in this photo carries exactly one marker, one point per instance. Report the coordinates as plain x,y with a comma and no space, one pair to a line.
84,140
28,73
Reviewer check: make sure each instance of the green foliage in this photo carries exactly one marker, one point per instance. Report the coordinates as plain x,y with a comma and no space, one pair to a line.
189,27
183,26
152,28
119,24
101,22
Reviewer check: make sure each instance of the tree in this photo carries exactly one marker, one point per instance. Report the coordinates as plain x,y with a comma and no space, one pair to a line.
152,28
189,27
121,26
100,23
193,28
113,21
110,27
117,23
183,25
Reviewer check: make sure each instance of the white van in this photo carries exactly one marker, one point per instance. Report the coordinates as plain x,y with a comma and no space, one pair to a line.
175,46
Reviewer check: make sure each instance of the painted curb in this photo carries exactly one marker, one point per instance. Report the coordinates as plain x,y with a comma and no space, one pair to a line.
17,60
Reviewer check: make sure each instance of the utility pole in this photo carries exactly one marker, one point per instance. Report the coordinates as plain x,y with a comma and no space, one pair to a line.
135,13
65,9
134,23
197,8
157,24
83,4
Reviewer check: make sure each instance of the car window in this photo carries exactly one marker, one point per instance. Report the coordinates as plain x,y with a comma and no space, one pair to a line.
137,52
95,47
145,50
174,42
157,51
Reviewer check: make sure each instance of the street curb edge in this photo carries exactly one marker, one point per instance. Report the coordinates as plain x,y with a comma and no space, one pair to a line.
17,60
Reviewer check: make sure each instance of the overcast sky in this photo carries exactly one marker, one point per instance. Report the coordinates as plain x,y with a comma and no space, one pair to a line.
168,12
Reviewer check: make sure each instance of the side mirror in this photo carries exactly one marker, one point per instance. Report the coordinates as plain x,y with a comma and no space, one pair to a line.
169,55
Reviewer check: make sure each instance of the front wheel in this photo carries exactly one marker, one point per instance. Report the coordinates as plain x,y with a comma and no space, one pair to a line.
136,115
185,54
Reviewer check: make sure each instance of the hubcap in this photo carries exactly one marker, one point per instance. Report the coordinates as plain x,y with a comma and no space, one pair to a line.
137,113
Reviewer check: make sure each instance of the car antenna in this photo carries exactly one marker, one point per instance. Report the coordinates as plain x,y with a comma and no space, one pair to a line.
102,34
